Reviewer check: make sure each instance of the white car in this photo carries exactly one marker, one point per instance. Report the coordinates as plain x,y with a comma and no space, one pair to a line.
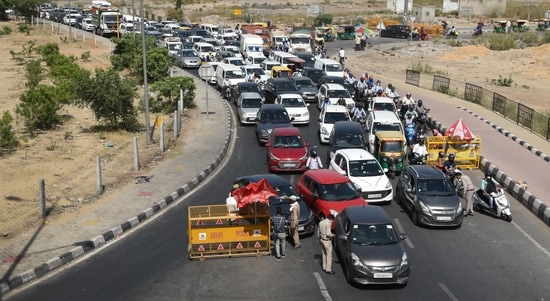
329,115
334,92
250,70
382,104
237,61
363,170
295,106
233,49
382,121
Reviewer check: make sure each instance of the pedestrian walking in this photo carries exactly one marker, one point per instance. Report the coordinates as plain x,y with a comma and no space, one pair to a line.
294,219
467,191
279,234
325,239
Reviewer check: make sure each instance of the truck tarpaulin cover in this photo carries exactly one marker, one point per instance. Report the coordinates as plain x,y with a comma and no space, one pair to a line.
254,192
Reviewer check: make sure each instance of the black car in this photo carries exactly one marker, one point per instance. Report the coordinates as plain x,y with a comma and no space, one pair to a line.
429,196
308,57
306,222
313,73
331,79
270,116
396,31
241,87
345,134
276,86
369,248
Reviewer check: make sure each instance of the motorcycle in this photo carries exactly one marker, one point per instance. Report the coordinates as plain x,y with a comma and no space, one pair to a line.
417,159
227,92
422,123
501,204
410,133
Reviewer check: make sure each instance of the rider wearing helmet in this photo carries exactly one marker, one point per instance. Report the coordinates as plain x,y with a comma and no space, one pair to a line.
378,86
412,111
488,186
420,147
409,118
449,166
420,108
314,162
407,100
359,112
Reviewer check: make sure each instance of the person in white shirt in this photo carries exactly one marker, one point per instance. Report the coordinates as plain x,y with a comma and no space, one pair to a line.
342,55
314,162
359,112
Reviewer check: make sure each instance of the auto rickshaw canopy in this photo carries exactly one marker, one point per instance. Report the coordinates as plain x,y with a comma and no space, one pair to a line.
281,72
390,142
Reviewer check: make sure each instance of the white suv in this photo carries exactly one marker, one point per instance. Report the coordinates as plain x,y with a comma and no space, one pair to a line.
382,121
365,172
330,115
382,104
334,92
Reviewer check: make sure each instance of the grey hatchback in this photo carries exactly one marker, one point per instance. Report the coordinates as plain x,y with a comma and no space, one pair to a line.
369,248
270,116
430,198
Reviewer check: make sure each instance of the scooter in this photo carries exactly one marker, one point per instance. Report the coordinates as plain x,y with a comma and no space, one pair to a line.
501,204
417,159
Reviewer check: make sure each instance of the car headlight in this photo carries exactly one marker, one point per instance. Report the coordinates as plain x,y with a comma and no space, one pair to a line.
356,261
324,131
273,157
404,260
459,209
304,157
423,207
333,212
306,114
388,185
308,49
400,159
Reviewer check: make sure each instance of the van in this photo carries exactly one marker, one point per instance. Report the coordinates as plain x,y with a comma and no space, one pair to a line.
214,42
330,67
382,121
345,134
213,30
204,49
282,57
232,73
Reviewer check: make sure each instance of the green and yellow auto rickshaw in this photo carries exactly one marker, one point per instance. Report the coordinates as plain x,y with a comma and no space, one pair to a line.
389,150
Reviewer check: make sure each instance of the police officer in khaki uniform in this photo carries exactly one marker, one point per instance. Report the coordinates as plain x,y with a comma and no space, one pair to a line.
294,219
325,239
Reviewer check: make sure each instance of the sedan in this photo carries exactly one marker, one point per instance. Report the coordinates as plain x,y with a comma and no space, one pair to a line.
189,58
286,150
295,106
308,90
369,248
248,105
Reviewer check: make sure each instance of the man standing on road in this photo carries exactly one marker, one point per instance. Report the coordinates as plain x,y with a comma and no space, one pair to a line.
342,55
294,219
279,222
467,191
325,239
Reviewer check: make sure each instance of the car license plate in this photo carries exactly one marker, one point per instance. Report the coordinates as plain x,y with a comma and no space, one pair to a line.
288,165
383,275
296,115
300,228
374,196
443,218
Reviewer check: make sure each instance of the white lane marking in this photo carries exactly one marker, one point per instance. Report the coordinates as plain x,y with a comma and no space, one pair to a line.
292,180
448,292
531,239
322,286
401,230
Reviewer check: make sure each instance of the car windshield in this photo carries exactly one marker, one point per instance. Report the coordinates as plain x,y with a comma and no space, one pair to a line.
288,142
331,118
304,83
391,146
338,94
233,50
377,126
333,67
234,74
207,48
350,141
275,117
382,234
255,48
285,86
293,102
250,88
365,168
299,40
259,71
188,53
258,60
237,62
252,103
283,192
338,192
383,106
435,187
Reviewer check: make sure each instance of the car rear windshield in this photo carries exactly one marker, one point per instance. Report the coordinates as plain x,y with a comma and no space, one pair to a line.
338,94
350,141
293,102
252,103
383,106
338,192
286,86
333,67
234,74
331,118
378,126
380,234
365,168
304,83
435,187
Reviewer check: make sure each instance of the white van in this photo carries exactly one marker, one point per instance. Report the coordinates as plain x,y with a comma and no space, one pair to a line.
204,49
213,30
282,57
330,67
232,73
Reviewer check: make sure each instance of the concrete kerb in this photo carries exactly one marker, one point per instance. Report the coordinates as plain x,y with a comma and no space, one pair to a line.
515,189
114,233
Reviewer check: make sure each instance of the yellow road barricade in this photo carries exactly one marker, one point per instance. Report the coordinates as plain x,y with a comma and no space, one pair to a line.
214,231
467,152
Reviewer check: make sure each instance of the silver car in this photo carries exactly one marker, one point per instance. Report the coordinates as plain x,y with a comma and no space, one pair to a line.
248,105
369,248
189,58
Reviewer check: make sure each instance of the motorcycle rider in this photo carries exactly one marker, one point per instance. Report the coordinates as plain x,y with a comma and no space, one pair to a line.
407,100
452,32
412,111
419,148
449,166
378,87
488,186
326,102
360,86
359,112
440,160
370,81
420,108
313,161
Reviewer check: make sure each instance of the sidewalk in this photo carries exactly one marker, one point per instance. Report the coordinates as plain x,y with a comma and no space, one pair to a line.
503,153
204,142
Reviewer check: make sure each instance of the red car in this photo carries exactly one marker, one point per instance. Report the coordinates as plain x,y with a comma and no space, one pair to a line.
286,150
326,191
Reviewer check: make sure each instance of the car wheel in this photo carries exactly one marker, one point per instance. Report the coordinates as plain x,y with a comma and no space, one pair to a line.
414,217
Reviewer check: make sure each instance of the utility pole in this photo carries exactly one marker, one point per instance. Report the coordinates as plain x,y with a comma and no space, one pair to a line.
145,87
405,11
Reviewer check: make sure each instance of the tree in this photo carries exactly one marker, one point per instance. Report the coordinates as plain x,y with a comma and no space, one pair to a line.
109,96
169,90
323,19
158,64
8,141
127,49
39,107
27,8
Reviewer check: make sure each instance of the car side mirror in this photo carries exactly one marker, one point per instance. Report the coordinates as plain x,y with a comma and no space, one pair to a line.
307,104
342,237
306,144
268,144
402,236
314,196
320,120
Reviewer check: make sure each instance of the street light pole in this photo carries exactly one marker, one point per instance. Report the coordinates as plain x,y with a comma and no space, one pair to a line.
145,87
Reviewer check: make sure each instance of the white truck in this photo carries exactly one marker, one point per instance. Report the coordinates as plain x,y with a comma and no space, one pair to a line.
173,44
300,40
251,45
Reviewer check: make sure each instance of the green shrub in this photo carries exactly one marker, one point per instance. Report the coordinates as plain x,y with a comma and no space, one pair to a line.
6,30
502,42
24,27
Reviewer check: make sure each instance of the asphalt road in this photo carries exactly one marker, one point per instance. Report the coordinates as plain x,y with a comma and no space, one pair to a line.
485,259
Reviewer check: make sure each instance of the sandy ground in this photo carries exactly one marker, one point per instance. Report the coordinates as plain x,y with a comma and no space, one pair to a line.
65,158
